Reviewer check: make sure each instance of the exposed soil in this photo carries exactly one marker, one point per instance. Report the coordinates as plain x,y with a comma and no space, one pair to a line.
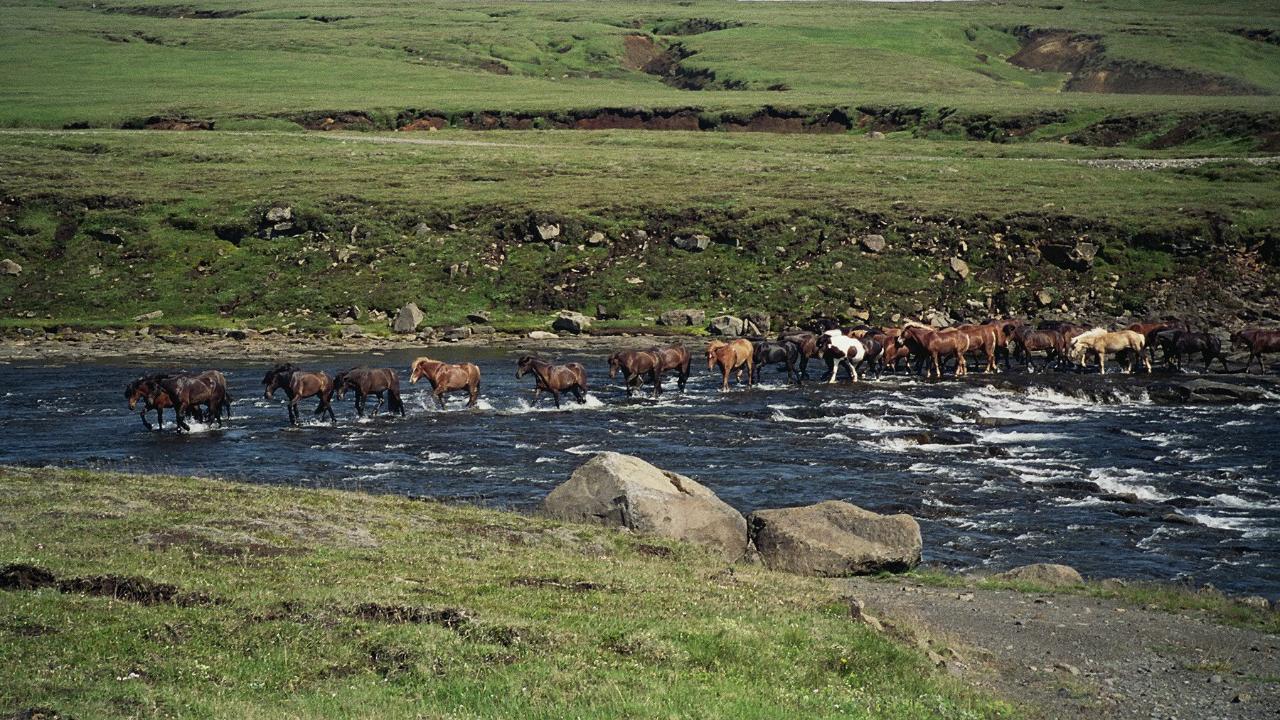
1271,37
641,53
1073,656
452,618
348,120
178,123
175,11
1056,51
558,584
131,589
692,26
199,540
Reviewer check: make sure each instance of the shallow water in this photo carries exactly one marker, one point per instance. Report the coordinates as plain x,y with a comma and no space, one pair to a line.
1018,471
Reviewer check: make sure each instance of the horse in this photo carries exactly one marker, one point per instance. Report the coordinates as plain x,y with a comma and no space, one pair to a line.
1148,330
147,389
370,381
1101,341
446,377
928,342
672,357
893,351
184,392
634,365
807,343
1258,341
734,355
299,384
984,339
838,348
1007,326
1027,340
786,353
1176,343
554,378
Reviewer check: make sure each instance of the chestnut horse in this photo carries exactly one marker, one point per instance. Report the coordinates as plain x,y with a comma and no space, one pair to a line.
370,381
1027,340
807,342
299,384
1100,342
185,392
928,342
735,355
555,379
634,365
147,389
446,377
1258,341
672,357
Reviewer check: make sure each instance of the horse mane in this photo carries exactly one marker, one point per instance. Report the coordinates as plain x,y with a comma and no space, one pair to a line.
913,323
285,368
422,358
1093,333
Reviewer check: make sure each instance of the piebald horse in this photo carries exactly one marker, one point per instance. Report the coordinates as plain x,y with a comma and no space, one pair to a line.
1100,341
838,348
299,384
736,355
447,377
555,379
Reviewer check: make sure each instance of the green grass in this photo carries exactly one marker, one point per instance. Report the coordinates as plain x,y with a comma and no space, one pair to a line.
286,569
112,224
92,62
1209,604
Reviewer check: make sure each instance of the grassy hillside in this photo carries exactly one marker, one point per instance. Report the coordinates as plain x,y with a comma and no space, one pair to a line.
113,224
170,596
108,63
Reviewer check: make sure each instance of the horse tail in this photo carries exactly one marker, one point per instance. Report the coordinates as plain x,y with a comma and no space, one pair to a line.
394,402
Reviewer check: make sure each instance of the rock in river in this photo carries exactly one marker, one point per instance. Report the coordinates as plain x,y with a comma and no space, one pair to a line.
625,491
835,539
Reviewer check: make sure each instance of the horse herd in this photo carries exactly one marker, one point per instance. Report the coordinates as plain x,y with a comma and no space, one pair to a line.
917,347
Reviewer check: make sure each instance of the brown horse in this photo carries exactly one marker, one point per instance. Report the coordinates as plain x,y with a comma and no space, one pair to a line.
185,392
1100,342
672,357
1027,340
1149,330
1258,341
893,351
984,339
735,355
146,389
447,377
927,342
299,384
555,379
634,365
370,381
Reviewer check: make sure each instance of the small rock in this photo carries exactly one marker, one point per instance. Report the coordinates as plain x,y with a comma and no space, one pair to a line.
1050,574
148,317
279,214
872,243
1044,298
480,316
875,135
695,243
1215,679
595,238
350,331
570,321
549,231
9,267
959,267
1256,601
1067,667
1241,698
483,330
936,659
542,335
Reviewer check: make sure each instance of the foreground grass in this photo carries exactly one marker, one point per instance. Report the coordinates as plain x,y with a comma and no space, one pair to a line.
551,621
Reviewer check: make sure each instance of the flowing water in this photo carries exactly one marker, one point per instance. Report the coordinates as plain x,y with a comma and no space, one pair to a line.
1000,471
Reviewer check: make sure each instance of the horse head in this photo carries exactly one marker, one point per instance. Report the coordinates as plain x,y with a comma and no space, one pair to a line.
134,391
340,383
276,378
712,351
525,365
615,364
418,369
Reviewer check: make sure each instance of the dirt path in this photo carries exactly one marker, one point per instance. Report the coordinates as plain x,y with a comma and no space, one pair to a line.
1073,656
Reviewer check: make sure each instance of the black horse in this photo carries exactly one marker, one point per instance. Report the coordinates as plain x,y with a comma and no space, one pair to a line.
785,352
1176,343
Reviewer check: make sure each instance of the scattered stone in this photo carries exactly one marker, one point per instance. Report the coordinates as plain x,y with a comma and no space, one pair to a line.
542,335
959,267
596,238
481,316
279,214
9,267
624,491
457,334
682,318
1067,667
408,319
694,243
873,243
604,313
148,317
1204,391
1241,698
570,321
549,231
1256,601
1049,574
757,323
835,539
1070,256
875,135
726,325
1044,298
426,333
350,331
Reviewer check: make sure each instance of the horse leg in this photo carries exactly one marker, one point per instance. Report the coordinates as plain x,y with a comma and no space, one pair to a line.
853,370
439,396
359,404
555,395
657,385
326,400
580,393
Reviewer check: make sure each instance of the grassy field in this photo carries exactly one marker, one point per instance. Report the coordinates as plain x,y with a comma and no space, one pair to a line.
248,64
109,225
307,603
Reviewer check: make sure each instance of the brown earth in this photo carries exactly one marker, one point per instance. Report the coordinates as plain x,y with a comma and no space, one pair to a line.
1056,51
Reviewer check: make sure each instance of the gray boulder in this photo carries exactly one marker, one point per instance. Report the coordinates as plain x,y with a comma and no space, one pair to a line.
1049,574
480,316
570,321
682,318
726,325
759,320
873,243
1204,391
148,317
624,491
693,243
596,238
456,334
408,319
550,231
835,539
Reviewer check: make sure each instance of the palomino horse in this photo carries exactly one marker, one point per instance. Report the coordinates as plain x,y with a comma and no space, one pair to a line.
185,392
1176,343
785,353
555,379
634,365
299,384
840,349
446,377
672,357
1100,342
370,381
1258,341
734,355
147,389
933,344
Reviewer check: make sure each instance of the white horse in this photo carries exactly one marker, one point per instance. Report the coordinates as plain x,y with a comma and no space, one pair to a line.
839,348
1100,342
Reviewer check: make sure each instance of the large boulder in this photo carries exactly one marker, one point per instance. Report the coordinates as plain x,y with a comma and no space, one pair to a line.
624,491
1203,391
835,539
725,325
1071,256
408,319
570,321
1050,574
682,318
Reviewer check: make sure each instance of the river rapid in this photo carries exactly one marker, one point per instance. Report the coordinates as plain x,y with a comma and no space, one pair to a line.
1000,470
